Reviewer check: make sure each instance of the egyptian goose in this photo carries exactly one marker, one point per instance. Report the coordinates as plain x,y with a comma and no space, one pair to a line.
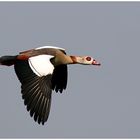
40,71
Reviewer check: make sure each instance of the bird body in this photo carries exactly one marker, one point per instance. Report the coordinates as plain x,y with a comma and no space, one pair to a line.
40,71
38,63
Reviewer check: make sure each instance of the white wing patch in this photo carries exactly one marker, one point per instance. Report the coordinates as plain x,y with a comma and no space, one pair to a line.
49,47
41,65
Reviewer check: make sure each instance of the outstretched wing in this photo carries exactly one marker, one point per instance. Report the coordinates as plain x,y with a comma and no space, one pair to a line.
36,91
60,77
37,81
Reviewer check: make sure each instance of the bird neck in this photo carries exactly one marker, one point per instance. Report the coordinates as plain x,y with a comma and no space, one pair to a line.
72,60
65,59
75,59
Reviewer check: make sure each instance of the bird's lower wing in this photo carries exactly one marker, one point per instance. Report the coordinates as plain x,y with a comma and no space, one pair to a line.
36,91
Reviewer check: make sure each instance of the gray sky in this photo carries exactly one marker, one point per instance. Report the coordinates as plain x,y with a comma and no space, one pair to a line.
100,102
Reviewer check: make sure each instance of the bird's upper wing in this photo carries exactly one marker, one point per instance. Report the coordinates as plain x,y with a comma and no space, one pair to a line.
36,91
60,77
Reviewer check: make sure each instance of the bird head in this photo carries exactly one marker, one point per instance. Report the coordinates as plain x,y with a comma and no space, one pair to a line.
87,60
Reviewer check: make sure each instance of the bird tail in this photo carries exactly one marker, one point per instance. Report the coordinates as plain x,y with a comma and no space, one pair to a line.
7,60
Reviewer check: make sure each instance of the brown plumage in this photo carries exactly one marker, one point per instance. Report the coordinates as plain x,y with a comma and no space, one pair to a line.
40,71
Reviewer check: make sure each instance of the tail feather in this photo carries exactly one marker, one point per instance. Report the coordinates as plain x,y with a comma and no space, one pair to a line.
7,60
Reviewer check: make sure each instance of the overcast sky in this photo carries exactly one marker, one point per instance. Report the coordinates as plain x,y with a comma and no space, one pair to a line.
100,102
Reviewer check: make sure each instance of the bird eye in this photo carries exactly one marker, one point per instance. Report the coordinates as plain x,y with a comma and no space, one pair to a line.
88,58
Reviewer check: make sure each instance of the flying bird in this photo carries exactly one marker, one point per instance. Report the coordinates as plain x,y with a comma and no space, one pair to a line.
40,71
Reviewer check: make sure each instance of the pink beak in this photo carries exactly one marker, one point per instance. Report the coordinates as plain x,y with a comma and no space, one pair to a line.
94,62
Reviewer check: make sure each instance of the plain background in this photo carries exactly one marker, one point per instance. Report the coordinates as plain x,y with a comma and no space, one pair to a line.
100,102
